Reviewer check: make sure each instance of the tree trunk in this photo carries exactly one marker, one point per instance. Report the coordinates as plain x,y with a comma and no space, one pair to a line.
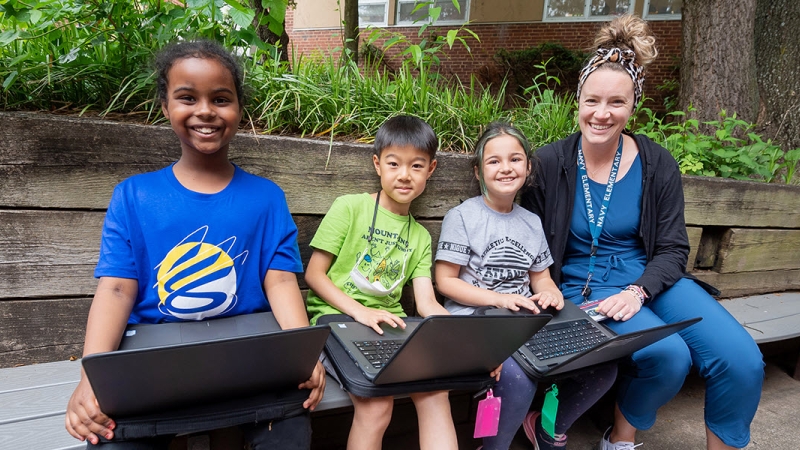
265,34
718,69
351,29
777,44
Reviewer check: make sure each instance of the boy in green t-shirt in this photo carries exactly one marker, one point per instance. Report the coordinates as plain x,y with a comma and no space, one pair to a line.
365,250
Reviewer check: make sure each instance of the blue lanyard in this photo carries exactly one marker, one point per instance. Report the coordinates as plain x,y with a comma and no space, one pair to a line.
596,226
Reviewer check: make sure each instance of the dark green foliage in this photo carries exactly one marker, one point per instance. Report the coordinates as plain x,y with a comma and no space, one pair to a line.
523,66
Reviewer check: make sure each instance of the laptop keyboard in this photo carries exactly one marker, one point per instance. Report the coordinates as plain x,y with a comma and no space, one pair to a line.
378,352
565,338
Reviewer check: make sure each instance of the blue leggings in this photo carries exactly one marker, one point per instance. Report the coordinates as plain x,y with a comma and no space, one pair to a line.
718,346
576,394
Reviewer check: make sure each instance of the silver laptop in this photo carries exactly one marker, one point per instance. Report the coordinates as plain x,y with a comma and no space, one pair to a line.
172,365
435,347
573,340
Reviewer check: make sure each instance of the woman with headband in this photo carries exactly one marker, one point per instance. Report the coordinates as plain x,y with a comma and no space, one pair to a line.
611,204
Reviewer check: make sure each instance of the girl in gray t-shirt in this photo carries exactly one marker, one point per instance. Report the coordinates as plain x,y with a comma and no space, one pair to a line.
494,253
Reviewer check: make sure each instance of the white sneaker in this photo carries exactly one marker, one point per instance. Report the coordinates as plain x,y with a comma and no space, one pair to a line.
604,443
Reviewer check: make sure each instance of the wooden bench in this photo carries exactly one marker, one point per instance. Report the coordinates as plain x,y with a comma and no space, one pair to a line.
34,400
768,318
58,174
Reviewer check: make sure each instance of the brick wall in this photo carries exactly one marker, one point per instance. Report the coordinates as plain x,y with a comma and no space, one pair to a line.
458,62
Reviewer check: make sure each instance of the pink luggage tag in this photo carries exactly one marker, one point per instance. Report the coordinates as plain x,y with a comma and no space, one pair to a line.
488,416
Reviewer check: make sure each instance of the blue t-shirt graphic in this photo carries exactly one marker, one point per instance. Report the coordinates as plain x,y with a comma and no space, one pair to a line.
197,255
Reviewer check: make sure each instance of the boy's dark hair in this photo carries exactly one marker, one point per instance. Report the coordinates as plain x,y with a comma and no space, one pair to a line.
492,131
406,130
203,49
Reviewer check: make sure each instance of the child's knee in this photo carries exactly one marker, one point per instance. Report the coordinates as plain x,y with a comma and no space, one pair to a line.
431,401
377,411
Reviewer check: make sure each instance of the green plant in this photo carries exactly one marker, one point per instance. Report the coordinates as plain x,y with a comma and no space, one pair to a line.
546,116
96,53
732,151
522,66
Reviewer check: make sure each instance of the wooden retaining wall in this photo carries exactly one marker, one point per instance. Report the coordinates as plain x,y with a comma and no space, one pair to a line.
57,174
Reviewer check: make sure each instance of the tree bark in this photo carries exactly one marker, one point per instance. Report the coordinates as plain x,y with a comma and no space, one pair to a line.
265,34
777,45
718,59
351,29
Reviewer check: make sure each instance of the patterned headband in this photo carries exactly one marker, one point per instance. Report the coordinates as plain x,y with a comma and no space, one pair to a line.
626,58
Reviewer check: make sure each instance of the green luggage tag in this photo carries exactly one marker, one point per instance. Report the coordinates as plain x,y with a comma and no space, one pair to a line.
549,411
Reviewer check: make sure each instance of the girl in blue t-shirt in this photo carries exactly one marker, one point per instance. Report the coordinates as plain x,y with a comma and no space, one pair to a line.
494,253
200,238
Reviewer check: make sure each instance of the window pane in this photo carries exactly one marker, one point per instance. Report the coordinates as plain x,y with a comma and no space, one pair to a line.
565,8
665,7
449,12
372,13
610,7
404,13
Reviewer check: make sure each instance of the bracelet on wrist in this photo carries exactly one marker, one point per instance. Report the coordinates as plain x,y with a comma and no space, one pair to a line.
637,292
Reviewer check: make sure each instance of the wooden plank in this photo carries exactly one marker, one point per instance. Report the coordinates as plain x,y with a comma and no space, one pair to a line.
48,253
768,318
750,283
41,149
694,243
35,403
38,324
748,250
725,202
45,433
55,237
24,377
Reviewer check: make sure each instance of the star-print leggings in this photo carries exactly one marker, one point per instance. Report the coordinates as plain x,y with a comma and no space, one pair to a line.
576,394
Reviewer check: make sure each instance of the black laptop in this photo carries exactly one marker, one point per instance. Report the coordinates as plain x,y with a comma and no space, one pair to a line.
172,365
435,347
573,340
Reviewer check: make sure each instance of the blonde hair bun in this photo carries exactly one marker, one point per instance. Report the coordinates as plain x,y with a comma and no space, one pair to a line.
629,32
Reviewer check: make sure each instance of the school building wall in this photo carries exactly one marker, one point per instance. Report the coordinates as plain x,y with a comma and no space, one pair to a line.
314,30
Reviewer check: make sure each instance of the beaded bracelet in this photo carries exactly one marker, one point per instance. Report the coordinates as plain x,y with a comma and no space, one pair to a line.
637,292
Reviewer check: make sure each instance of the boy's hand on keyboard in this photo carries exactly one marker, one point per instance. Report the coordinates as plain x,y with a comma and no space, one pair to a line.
514,302
372,318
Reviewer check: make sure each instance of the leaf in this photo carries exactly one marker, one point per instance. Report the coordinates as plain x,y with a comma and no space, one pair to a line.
9,79
35,15
241,18
237,6
456,5
416,53
8,36
434,12
451,37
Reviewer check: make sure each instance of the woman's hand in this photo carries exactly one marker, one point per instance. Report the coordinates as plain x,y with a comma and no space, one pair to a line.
620,307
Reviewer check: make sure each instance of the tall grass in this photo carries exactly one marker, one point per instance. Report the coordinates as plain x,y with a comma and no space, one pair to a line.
95,56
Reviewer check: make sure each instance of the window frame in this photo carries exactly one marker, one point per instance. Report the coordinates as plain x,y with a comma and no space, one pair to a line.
385,22
586,11
647,16
397,22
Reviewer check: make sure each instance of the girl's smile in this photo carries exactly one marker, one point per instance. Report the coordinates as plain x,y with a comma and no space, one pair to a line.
202,106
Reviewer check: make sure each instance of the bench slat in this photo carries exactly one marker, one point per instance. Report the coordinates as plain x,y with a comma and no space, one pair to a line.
767,318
